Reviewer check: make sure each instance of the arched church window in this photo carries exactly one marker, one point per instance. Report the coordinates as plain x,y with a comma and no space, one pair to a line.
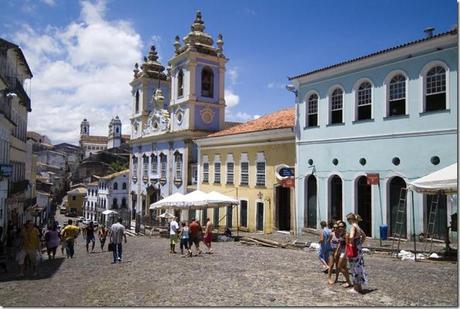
180,83
207,82
137,101
117,130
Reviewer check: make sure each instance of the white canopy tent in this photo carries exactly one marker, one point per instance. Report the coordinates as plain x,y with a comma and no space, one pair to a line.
109,212
173,201
218,199
166,215
443,180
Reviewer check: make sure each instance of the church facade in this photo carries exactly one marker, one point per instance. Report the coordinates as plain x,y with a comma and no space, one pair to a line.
171,109
91,144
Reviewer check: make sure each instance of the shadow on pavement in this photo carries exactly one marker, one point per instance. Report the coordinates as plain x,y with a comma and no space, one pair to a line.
366,291
46,269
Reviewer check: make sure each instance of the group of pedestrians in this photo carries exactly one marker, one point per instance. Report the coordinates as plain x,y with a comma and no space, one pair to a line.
190,235
342,251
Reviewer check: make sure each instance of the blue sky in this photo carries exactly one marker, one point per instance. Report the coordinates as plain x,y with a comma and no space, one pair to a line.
82,52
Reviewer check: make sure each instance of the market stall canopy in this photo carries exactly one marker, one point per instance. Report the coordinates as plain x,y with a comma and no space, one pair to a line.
444,180
173,201
196,199
108,212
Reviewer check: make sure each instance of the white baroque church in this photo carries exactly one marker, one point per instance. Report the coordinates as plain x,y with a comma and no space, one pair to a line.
92,144
169,110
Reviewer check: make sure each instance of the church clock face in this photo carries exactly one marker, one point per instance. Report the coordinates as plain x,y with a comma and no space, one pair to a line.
207,115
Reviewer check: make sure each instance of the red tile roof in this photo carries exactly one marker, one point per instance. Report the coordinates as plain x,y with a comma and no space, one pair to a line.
451,32
284,118
94,139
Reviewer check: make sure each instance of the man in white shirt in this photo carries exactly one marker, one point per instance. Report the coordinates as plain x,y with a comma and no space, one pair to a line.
173,231
117,233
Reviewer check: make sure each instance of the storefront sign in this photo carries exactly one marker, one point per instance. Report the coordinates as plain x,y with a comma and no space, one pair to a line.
288,182
283,171
372,178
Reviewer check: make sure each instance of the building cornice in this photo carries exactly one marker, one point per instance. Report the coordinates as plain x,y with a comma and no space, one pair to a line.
247,138
378,136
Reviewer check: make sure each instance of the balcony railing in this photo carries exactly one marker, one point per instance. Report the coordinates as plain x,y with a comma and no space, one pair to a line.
14,85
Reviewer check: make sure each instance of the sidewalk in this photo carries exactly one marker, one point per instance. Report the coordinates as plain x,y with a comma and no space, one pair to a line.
370,243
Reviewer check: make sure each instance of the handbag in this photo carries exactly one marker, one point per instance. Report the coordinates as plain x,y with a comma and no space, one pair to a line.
351,250
110,248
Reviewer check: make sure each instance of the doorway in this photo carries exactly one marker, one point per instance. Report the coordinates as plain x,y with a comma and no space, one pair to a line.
283,208
229,216
310,202
396,183
335,198
260,216
364,199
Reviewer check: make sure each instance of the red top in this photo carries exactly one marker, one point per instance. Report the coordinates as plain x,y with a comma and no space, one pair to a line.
194,228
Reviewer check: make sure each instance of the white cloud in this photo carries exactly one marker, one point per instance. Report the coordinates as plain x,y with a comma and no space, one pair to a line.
231,98
49,2
275,85
80,71
233,75
256,116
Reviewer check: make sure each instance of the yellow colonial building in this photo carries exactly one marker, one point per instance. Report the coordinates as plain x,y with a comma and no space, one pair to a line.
240,162
75,201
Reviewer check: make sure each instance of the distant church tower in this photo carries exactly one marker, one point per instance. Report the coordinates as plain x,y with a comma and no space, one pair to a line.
114,139
84,127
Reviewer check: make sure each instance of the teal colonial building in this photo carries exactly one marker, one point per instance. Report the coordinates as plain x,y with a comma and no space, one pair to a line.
393,114
171,108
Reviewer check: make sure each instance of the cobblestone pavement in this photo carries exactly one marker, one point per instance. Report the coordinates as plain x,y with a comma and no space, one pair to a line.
235,275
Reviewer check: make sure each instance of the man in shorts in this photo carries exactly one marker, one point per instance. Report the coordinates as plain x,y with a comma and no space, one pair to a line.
69,234
195,234
208,235
173,231
30,247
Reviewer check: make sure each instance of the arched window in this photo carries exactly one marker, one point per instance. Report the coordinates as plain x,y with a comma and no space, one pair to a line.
115,186
312,111
435,89
180,83
123,186
123,202
117,130
364,101
397,96
336,104
115,203
207,82
137,101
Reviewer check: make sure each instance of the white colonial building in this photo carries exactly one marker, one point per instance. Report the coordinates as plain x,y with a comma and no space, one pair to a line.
112,194
89,210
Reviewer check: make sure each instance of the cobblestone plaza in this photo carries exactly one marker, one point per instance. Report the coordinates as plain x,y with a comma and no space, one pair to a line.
236,275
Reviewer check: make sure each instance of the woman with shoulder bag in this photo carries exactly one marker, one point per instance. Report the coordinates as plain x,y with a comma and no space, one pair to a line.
355,254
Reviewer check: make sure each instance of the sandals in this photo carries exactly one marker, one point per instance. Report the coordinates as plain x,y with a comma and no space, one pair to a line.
347,285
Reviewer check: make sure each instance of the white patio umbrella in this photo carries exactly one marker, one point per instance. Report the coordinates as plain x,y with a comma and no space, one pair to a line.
216,199
173,201
109,211
166,215
443,180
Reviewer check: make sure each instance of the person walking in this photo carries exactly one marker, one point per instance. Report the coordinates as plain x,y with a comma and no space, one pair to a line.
30,236
356,239
90,237
52,240
208,236
69,233
102,233
117,233
334,258
195,233
185,239
325,247
173,231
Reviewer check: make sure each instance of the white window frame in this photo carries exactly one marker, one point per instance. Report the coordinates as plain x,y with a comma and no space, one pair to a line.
356,86
422,77
329,104
178,166
307,108
230,161
260,158
386,84
205,170
244,159
217,175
